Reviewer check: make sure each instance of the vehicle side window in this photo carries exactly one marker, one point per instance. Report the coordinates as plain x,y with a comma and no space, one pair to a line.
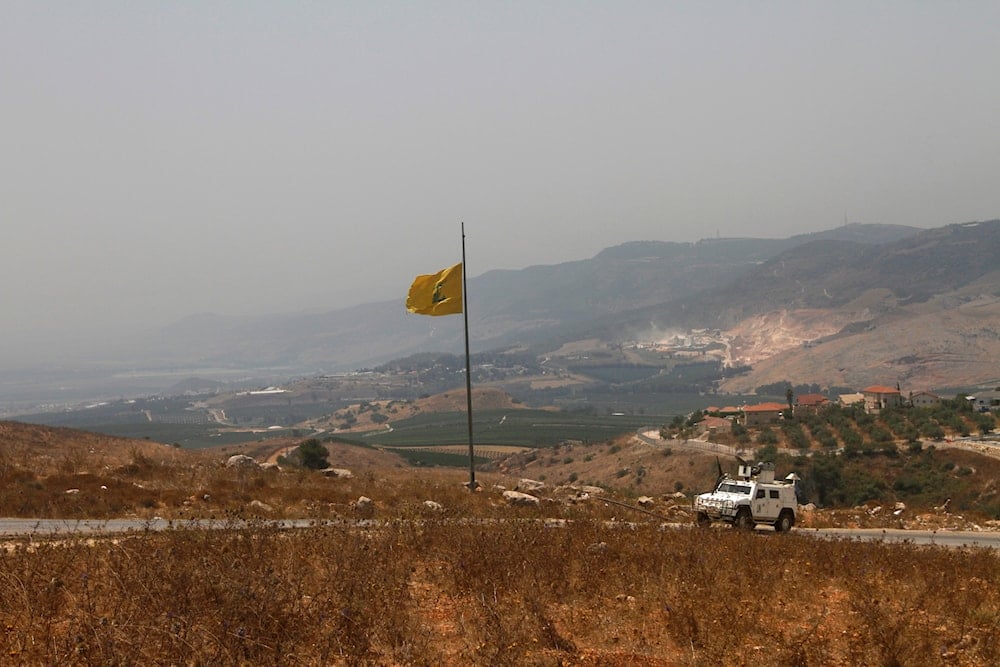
760,493
774,493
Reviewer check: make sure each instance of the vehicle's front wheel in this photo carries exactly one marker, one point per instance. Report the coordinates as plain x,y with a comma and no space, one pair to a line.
743,520
703,520
785,522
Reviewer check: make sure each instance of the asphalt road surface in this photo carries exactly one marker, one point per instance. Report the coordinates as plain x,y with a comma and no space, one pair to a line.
56,528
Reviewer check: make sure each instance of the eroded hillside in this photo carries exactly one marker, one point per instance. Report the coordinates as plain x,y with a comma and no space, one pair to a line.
949,341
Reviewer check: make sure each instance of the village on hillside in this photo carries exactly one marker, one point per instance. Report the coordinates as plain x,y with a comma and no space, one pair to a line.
873,401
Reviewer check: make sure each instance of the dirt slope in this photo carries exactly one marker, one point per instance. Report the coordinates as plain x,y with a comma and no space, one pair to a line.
950,341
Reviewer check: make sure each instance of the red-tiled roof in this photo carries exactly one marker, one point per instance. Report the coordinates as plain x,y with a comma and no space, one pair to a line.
879,389
766,407
812,399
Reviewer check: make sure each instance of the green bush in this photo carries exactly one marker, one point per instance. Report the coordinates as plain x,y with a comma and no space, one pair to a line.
313,454
767,437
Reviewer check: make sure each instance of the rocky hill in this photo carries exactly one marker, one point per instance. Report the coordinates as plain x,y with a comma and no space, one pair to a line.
528,306
924,309
849,306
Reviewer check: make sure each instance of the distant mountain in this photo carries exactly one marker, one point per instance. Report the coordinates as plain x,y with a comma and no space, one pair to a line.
506,307
855,305
830,273
919,306
923,310
525,307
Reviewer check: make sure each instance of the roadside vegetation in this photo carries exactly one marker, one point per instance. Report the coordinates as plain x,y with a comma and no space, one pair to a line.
505,593
847,458
572,580
850,428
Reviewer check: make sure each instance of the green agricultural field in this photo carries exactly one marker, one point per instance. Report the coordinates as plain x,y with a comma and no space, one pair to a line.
527,428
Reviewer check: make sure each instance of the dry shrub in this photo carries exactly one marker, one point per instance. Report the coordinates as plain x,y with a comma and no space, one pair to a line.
503,592
476,583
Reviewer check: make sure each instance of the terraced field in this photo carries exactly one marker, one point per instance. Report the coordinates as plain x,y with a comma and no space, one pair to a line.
518,428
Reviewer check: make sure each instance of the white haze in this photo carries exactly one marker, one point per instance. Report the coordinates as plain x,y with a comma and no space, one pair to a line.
160,159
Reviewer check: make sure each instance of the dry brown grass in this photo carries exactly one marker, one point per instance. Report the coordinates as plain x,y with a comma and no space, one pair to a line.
478,582
625,464
483,398
501,593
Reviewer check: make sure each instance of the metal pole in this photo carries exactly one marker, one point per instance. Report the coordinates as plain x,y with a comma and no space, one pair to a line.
468,368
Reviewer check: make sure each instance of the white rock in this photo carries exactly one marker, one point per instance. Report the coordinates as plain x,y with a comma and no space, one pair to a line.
645,501
526,485
262,506
518,498
364,505
241,461
433,506
340,473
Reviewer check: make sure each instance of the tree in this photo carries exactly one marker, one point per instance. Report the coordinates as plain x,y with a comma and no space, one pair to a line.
767,453
313,454
789,395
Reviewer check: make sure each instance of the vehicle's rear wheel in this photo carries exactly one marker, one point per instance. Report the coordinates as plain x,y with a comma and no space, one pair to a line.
785,522
703,520
743,520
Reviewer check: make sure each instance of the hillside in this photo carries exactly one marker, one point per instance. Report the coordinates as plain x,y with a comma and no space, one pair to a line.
949,341
852,306
527,305
839,313
66,473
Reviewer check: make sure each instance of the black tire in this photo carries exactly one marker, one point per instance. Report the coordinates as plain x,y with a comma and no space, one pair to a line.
743,520
785,522
703,520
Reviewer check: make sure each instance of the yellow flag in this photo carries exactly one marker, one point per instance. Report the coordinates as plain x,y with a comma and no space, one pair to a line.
438,293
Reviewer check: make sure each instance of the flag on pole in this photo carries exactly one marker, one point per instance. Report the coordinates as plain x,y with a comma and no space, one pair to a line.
437,293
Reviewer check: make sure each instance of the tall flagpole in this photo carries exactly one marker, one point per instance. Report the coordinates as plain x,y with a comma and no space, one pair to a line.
468,368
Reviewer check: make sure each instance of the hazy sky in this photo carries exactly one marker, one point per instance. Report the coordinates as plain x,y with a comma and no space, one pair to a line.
159,159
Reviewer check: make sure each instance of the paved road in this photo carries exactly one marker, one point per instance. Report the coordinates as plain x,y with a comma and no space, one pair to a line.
65,527
946,538
46,528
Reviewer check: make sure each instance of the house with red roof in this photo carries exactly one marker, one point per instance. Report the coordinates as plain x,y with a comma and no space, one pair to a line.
880,397
715,426
811,402
763,413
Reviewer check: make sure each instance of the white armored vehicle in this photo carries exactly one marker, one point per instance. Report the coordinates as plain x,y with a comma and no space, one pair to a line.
754,497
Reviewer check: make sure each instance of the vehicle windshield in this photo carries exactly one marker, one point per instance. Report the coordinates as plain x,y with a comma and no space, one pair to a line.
729,487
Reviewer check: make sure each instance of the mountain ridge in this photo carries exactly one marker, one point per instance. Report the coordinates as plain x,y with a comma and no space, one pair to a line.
855,274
